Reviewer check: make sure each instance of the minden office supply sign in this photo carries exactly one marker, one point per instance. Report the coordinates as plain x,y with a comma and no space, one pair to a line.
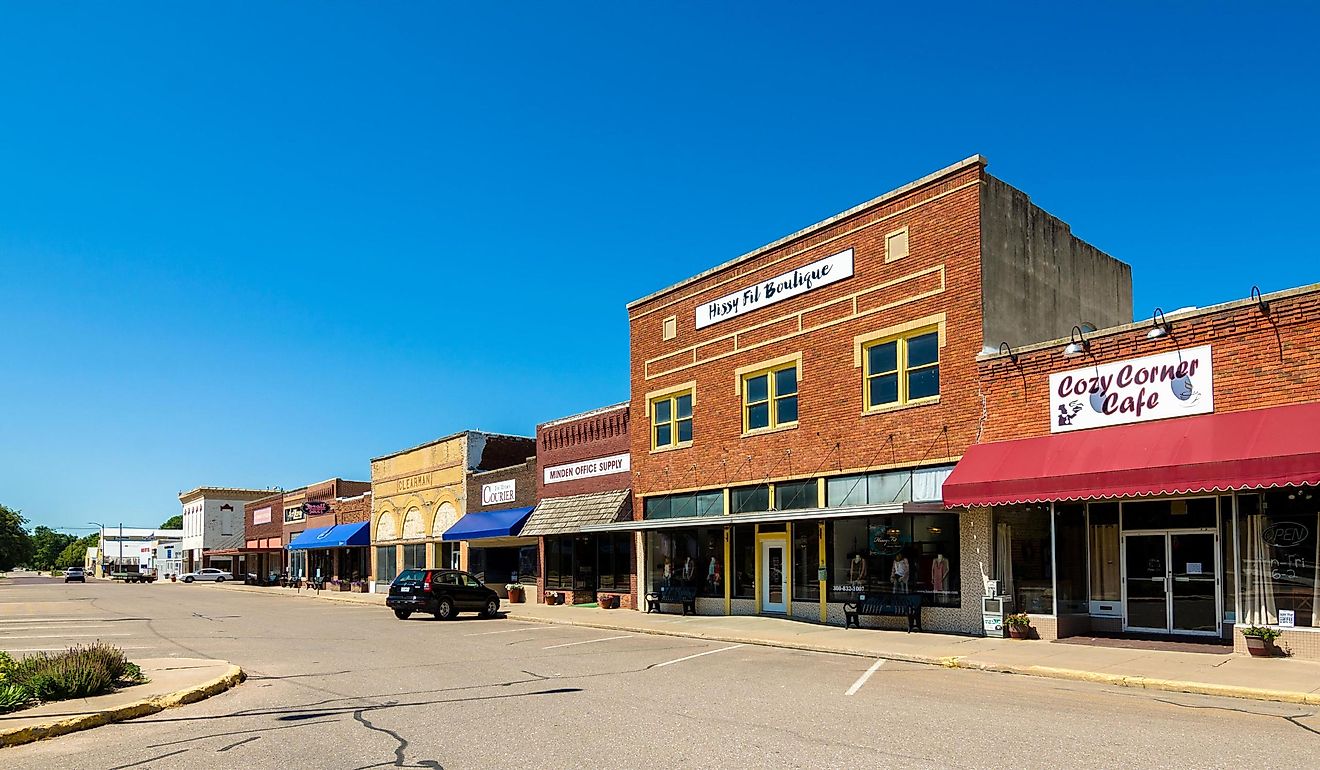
822,272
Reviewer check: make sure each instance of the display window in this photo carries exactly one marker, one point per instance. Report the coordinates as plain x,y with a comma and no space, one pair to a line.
1279,548
692,558
1023,557
902,553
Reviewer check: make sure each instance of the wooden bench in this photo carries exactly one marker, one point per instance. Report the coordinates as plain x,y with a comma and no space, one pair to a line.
884,605
684,595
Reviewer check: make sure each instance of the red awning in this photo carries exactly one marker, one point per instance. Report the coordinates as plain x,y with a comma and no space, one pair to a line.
1260,448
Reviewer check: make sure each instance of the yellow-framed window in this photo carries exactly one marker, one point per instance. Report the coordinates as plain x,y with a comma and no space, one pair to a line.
671,420
902,370
770,398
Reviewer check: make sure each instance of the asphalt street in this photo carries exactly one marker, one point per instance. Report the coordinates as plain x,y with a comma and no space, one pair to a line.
336,685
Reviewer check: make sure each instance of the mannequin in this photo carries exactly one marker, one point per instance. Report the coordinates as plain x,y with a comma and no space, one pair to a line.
898,574
669,570
713,574
857,569
939,573
688,569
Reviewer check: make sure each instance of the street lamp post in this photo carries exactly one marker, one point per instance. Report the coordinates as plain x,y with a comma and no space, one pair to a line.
100,547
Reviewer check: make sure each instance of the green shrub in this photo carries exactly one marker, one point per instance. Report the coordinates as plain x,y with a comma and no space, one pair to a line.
78,672
12,697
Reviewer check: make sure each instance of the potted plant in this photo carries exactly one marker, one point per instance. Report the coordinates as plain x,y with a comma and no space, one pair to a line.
517,594
554,597
608,601
358,586
1019,625
1260,640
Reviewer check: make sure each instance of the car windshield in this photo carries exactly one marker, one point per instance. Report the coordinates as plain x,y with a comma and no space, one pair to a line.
409,576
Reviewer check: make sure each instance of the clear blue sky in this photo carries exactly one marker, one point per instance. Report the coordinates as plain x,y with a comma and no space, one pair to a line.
258,244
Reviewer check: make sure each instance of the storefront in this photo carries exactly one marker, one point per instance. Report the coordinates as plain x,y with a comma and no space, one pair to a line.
497,555
1171,494
340,552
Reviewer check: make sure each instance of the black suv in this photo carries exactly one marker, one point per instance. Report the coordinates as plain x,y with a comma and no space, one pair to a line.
440,592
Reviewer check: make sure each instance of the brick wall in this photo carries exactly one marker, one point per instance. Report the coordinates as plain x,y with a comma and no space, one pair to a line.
523,476
353,509
272,528
592,435
1259,359
940,275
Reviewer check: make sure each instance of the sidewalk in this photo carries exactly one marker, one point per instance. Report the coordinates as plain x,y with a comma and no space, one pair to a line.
173,682
347,597
1227,674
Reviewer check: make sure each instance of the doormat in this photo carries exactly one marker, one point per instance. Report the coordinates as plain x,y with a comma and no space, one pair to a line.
593,604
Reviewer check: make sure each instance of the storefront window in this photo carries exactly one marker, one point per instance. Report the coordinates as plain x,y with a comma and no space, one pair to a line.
744,561
710,561
750,499
709,503
1022,557
559,562
446,555
615,560
795,495
1226,541
1105,572
869,489
693,558
901,554
387,565
414,555
1070,557
1195,513
806,561
1278,545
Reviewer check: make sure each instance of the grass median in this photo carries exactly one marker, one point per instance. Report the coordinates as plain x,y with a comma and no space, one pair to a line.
78,672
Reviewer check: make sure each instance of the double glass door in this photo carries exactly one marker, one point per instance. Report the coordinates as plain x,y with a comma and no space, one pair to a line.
1170,582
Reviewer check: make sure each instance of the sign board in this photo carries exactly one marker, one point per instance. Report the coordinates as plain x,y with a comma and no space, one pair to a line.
1194,568
261,516
499,492
1287,618
822,272
601,466
1173,384
316,507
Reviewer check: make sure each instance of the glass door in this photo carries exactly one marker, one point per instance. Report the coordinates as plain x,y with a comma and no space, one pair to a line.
1146,607
1193,590
774,576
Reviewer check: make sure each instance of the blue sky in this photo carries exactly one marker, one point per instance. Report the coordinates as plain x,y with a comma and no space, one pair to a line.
257,244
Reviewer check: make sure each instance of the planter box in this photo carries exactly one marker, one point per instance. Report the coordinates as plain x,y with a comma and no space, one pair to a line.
1019,632
517,596
1259,648
608,601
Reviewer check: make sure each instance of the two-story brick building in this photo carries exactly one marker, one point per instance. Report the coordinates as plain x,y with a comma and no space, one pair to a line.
1157,477
498,503
799,407
585,481
318,545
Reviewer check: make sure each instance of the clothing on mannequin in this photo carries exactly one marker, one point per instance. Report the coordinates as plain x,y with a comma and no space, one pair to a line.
857,569
898,574
939,573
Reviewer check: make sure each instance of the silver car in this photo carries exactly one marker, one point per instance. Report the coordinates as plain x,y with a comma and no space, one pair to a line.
207,573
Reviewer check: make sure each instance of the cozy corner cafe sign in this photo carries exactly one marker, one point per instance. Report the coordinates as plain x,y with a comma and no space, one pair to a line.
822,272
1173,384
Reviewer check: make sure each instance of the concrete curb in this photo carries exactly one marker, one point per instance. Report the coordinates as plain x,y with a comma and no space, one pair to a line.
20,735
959,662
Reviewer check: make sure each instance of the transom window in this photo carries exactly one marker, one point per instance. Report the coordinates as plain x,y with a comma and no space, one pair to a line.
671,421
770,398
903,369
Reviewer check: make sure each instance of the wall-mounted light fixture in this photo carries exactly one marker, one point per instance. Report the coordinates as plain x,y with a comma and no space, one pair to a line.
1159,327
1006,350
1260,302
1078,343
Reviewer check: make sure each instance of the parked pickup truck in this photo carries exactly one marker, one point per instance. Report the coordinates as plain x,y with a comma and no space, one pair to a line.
134,577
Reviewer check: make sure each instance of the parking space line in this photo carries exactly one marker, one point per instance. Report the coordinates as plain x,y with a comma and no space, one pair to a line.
65,647
510,631
861,680
698,655
56,636
589,641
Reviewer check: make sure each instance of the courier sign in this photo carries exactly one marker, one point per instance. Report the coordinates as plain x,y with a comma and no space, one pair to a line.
1173,384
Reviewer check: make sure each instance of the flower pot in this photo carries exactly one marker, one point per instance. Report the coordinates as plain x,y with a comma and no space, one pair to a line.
1019,632
517,596
609,602
1260,648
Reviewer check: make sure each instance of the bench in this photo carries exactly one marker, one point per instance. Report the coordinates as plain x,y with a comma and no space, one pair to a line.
885,605
684,595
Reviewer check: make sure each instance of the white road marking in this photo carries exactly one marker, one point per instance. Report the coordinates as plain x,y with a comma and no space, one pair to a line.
861,680
510,631
83,627
65,647
56,636
698,655
589,641
57,620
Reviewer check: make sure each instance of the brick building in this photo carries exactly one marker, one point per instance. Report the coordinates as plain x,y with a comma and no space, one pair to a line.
317,542
585,481
799,407
418,494
499,502
263,533
1157,477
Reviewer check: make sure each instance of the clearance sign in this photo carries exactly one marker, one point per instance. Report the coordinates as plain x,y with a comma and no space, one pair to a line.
1173,384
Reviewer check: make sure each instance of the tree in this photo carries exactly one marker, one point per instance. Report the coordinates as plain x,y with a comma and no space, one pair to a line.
15,542
75,553
47,545
173,522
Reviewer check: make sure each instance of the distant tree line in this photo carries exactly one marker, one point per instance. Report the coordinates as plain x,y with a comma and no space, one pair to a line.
43,548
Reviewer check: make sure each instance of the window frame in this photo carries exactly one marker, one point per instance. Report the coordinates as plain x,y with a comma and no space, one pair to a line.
672,397
772,397
902,371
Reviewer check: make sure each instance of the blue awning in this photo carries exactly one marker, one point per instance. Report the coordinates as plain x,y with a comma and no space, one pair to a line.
338,536
477,526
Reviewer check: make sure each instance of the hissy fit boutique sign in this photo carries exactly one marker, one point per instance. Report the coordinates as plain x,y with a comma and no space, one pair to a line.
1173,384
822,272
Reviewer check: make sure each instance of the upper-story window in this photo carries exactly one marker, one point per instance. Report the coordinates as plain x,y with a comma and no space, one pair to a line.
902,370
671,420
770,398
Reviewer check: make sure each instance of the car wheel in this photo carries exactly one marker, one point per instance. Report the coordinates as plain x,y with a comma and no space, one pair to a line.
220,579
492,608
403,614
188,579
445,609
